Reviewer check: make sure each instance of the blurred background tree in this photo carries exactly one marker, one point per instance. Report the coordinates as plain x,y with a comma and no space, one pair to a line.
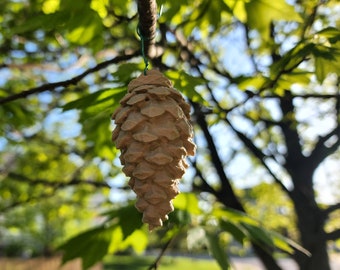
262,77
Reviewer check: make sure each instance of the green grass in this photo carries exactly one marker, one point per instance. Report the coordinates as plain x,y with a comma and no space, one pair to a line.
167,263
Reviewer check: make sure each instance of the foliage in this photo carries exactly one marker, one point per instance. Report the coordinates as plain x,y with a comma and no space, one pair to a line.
262,77
118,233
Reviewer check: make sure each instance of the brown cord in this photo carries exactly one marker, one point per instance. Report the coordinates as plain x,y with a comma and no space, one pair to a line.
147,11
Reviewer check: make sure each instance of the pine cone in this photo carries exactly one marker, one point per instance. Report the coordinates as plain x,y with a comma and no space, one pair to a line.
154,135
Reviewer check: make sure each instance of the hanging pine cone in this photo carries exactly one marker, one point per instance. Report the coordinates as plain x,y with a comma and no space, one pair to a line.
154,135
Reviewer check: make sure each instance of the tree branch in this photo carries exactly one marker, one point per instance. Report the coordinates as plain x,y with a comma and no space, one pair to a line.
73,81
334,235
331,208
72,182
226,194
321,151
257,153
27,200
292,138
305,96
155,264
251,53
204,186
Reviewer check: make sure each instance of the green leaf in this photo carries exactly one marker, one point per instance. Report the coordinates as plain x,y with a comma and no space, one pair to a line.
180,217
286,244
241,226
128,225
187,202
301,77
234,215
96,102
251,83
331,33
235,230
98,134
172,9
91,246
260,13
42,21
258,235
186,84
100,6
50,6
85,27
238,9
327,60
291,59
138,240
217,251
126,72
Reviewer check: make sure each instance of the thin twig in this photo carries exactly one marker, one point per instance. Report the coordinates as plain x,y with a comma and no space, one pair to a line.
72,81
331,209
56,184
155,264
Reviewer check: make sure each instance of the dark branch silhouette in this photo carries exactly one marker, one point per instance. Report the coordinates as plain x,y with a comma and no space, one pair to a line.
321,150
72,81
155,264
72,182
331,209
334,235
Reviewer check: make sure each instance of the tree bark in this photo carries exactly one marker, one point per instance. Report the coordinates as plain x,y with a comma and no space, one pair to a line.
310,219
310,222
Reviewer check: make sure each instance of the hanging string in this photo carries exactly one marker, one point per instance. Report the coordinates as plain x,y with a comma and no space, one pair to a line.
145,58
146,29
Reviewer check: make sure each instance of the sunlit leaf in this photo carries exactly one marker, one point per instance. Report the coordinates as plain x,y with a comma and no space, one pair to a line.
188,202
298,76
238,9
50,6
251,83
96,102
100,6
291,59
234,215
138,240
260,13
331,33
83,29
186,84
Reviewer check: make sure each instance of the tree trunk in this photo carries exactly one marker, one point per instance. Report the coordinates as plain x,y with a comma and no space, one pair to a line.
310,223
